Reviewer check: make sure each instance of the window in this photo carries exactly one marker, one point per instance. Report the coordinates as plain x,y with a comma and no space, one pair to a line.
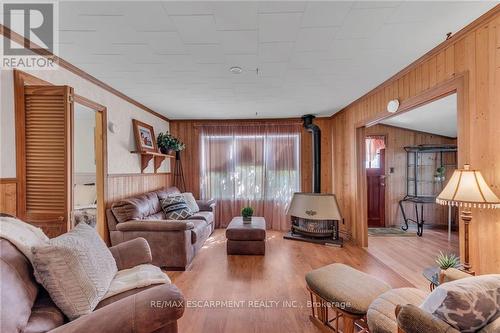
251,167
248,165
373,146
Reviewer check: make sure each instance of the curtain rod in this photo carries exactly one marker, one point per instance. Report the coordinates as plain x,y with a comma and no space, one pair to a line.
251,123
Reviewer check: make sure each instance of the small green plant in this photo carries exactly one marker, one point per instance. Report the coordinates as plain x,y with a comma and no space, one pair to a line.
440,171
247,213
448,260
168,142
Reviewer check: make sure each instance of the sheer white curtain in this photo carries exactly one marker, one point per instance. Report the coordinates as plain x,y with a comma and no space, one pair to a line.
251,165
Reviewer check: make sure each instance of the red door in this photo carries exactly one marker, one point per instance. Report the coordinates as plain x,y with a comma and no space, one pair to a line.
375,183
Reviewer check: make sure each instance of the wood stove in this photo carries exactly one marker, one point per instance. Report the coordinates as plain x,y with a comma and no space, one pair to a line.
314,216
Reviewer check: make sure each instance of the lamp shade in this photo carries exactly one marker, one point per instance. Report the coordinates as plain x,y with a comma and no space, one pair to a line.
468,188
314,206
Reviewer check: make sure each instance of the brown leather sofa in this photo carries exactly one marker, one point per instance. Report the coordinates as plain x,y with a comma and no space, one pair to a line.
174,243
27,308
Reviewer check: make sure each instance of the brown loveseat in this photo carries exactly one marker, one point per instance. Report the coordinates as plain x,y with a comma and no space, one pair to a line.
26,307
173,243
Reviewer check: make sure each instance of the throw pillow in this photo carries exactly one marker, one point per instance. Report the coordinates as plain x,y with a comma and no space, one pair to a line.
175,207
23,235
466,304
191,202
76,269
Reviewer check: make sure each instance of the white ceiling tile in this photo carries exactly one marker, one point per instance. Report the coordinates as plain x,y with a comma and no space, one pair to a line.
315,39
236,15
363,23
349,48
272,52
376,4
281,6
165,42
274,69
196,28
325,13
307,59
249,62
239,41
206,53
188,7
280,27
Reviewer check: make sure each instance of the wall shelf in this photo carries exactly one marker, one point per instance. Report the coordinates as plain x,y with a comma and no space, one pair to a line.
147,156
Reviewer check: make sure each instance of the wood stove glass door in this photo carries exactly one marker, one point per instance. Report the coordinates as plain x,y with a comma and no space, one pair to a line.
375,180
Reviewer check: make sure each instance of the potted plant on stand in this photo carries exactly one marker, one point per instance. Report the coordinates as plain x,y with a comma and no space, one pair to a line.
165,143
247,213
177,145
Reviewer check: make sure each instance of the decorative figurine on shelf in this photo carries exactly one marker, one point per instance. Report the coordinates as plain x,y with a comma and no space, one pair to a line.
247,213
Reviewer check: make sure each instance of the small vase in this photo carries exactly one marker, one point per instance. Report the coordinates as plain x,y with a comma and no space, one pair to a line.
163,150
247,220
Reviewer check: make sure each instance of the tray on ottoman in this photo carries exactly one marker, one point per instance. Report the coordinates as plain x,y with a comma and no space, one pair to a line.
246,238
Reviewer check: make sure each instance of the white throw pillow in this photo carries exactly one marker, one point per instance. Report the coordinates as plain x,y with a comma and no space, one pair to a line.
23,235
76,269
191,202
84,195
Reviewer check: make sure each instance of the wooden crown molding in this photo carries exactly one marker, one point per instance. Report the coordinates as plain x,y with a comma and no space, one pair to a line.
483,19
7,33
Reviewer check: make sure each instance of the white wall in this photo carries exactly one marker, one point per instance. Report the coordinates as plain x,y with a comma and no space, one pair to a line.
83,134
120,112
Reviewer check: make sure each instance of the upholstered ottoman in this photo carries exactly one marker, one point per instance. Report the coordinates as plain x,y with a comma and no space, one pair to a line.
381,313
246,238
347,291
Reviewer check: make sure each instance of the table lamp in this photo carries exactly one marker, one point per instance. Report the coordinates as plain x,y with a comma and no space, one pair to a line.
467,189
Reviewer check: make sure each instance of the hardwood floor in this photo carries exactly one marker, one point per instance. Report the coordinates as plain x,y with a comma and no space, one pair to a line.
408,256
277,277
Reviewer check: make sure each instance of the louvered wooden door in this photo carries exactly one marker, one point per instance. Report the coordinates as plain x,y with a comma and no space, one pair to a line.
45,187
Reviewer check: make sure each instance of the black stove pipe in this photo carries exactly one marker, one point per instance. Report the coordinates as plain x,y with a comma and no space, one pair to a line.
316,142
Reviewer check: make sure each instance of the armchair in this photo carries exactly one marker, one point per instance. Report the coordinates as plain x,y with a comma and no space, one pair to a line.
26,307
397,310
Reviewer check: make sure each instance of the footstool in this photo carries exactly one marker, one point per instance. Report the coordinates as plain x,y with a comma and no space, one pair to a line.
347,291
246,238
381,314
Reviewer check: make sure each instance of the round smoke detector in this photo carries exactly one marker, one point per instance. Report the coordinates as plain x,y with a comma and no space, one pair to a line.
236,70
393,106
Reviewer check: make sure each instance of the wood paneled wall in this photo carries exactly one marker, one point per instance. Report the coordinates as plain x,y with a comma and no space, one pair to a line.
395,184
188,132
127,185
8,195
473,53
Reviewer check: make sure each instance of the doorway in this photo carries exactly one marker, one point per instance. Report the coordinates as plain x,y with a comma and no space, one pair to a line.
45,145
417,157
375,180
90,162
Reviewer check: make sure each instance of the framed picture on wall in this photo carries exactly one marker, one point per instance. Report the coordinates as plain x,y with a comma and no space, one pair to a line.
145,139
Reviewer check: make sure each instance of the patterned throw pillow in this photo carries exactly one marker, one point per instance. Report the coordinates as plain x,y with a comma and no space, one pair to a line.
466,304
175,207
76,269
191,202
